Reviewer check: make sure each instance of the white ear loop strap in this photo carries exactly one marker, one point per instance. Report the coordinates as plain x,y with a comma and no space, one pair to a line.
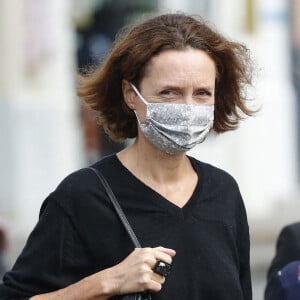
139,94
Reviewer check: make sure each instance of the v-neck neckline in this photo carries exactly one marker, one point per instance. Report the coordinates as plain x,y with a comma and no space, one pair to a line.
159,199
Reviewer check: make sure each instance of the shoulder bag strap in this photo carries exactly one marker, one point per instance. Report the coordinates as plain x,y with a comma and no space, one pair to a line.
117,207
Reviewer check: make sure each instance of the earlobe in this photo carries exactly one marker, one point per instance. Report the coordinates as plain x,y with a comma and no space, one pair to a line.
128,94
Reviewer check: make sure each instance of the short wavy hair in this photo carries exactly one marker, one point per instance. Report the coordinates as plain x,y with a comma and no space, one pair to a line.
101,89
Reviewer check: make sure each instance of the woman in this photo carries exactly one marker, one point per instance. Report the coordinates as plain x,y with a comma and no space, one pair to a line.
166,83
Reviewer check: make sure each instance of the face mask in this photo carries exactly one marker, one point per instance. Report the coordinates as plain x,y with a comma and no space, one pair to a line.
176,128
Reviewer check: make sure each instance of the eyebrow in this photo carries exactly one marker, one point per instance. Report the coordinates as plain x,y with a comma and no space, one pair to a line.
176,87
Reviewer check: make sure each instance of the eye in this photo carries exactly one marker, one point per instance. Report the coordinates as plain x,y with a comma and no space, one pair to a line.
167,92
204,93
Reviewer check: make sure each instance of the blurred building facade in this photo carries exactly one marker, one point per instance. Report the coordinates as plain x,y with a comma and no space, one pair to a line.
295,51
41,135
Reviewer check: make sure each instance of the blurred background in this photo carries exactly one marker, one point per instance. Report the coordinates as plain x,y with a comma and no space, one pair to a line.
46,132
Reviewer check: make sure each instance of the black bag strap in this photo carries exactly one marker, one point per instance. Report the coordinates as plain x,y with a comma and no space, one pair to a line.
117,207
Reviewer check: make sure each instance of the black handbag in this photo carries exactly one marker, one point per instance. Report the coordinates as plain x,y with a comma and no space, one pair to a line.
137,296
135,241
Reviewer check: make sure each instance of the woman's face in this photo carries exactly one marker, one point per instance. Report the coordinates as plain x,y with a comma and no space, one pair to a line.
177,76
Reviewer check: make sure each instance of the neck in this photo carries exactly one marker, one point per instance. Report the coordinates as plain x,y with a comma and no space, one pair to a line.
149,163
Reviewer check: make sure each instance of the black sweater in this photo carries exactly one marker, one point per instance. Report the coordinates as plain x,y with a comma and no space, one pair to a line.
78,233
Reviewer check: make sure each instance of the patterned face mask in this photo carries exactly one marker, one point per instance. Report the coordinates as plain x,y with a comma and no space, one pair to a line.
176,128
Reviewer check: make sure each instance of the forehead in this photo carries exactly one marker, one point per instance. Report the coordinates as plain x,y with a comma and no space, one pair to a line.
188,64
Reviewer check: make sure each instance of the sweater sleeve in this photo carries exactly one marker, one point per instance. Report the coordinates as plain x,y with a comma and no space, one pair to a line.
243,244
46,262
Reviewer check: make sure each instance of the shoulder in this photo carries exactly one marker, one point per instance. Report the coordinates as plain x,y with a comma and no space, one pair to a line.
290,235
214,175
221,197
81,188
220,188
290,232
293,228
84,178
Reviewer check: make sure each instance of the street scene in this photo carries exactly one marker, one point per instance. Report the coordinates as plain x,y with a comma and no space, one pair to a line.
47,132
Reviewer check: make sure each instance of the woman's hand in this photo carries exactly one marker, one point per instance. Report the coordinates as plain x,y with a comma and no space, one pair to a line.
135,273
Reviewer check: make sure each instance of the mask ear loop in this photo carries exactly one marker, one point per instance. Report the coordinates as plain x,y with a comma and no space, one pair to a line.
139,94
142,99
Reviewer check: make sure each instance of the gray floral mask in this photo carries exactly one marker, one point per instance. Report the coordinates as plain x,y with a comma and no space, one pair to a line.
176,128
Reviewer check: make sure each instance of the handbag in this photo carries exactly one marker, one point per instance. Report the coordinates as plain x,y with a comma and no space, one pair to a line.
134,296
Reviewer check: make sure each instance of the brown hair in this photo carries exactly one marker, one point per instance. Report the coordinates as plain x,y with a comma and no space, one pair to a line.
102,89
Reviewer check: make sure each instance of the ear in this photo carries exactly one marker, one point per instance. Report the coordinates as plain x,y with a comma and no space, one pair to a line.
128,94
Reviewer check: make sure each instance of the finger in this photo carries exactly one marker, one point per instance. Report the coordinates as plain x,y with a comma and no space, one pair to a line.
154,286
168,251
163,257
150,283
158,278
150,256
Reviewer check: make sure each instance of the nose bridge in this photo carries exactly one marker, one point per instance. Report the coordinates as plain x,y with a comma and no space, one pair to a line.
188,97
188,89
